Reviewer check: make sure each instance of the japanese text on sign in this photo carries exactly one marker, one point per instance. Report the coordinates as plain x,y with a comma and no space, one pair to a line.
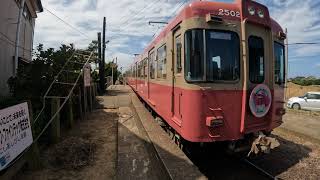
15,133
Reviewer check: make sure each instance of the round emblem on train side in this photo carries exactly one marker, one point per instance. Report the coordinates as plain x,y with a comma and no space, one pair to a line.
260,100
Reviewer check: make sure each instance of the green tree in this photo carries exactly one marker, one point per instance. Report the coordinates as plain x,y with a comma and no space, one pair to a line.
108,70
306,81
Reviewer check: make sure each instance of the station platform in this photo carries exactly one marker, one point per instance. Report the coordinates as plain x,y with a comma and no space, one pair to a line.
145,151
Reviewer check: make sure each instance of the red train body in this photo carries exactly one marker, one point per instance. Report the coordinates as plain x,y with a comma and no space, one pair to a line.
216,72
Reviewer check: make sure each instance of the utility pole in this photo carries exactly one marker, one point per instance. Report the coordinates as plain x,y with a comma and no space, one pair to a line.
16,53
112,65
286,65
101,83
103,80
116,66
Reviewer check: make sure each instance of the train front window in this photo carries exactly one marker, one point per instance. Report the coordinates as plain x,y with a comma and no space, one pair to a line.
194,55
222,56
279,66
256,60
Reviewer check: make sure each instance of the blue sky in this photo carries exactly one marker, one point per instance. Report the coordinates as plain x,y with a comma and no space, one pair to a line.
129,32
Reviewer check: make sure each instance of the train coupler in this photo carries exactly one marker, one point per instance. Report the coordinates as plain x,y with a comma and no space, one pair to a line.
263,144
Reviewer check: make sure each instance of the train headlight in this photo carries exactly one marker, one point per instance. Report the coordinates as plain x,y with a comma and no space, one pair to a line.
260,14
251,10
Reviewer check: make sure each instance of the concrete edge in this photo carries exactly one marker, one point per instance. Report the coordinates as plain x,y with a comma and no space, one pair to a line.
136,104
165,171
141,110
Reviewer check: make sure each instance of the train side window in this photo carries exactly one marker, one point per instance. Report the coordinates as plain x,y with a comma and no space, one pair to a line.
162,62
194,55
134,70
279,64
139,69
256,60
152,65
145,69
178,54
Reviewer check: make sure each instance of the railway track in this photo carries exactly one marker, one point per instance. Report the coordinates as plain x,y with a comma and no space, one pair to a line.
268,175
246,169
213,161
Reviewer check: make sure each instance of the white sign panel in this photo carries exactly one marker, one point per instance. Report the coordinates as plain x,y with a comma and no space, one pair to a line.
15,133
87,75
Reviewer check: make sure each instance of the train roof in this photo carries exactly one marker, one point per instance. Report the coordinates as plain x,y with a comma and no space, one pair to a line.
201,9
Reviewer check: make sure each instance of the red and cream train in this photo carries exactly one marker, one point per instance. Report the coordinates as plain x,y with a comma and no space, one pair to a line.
216,72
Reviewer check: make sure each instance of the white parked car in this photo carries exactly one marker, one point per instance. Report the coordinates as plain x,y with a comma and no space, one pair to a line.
310,101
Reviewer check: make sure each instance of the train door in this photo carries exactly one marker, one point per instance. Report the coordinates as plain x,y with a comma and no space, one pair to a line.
279,79
151,75
176,76
259,83
145,76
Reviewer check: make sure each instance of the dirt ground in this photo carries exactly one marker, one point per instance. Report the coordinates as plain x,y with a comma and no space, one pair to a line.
88,151
295,90
302,122
298,157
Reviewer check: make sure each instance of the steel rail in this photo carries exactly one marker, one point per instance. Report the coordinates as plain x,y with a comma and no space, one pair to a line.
260,169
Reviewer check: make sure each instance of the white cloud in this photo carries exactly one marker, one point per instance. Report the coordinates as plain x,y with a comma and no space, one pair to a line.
127,27
301,18
128,31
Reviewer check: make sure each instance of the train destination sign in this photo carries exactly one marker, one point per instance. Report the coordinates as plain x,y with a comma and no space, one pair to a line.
15,133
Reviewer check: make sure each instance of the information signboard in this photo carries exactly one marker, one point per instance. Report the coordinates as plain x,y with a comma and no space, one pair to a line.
15,133
87,75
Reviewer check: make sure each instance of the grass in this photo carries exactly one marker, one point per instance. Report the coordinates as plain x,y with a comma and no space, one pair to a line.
295,90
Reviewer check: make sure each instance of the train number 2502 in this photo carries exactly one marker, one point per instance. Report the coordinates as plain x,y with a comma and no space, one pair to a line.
227,12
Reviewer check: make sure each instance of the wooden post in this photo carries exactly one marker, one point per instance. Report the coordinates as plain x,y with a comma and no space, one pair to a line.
85,100
34,162
90,98
94,94
55,124
70,118
80,104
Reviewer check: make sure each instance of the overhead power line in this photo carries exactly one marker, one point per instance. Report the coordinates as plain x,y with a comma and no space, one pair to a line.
139,12
66,23
183,3
128,22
